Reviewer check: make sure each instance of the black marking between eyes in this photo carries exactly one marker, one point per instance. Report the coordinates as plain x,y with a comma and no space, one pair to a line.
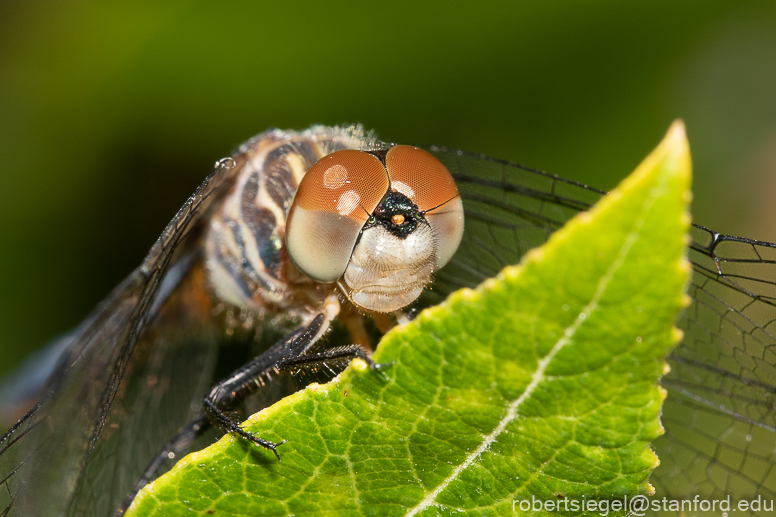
392,204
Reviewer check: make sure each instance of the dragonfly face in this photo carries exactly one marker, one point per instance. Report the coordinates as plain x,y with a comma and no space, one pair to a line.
384,221
264,245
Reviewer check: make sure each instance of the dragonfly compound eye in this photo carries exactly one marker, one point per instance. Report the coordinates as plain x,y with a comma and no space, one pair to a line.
428,184
334,200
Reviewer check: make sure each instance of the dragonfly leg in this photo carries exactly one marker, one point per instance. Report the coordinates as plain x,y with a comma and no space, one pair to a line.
233,390
232,426
342,352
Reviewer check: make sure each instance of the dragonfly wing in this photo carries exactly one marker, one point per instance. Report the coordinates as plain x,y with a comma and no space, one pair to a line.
45,462
720,416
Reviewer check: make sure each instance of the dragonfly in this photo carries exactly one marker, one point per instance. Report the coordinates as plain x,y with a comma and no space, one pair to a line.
133,374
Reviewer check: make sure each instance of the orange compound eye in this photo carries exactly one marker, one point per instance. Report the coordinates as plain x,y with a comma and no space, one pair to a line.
426,181
420,176
334,200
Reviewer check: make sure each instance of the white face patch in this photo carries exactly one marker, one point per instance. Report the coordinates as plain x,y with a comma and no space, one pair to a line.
387,273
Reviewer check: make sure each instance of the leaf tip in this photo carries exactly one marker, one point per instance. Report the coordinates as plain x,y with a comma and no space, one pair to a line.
677,130
671,158
676,151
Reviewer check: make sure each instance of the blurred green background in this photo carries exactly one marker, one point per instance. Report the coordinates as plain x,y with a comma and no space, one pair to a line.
112,113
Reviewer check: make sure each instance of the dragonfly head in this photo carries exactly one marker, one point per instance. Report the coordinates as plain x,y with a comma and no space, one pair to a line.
384,222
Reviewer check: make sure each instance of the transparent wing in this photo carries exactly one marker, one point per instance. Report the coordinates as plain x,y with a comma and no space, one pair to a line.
720,415
45,460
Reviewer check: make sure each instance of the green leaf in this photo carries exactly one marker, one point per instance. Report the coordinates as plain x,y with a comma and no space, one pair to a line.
541,382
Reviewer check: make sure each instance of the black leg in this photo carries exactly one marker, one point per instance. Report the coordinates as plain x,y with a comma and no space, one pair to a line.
343,352
233,390
232,426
